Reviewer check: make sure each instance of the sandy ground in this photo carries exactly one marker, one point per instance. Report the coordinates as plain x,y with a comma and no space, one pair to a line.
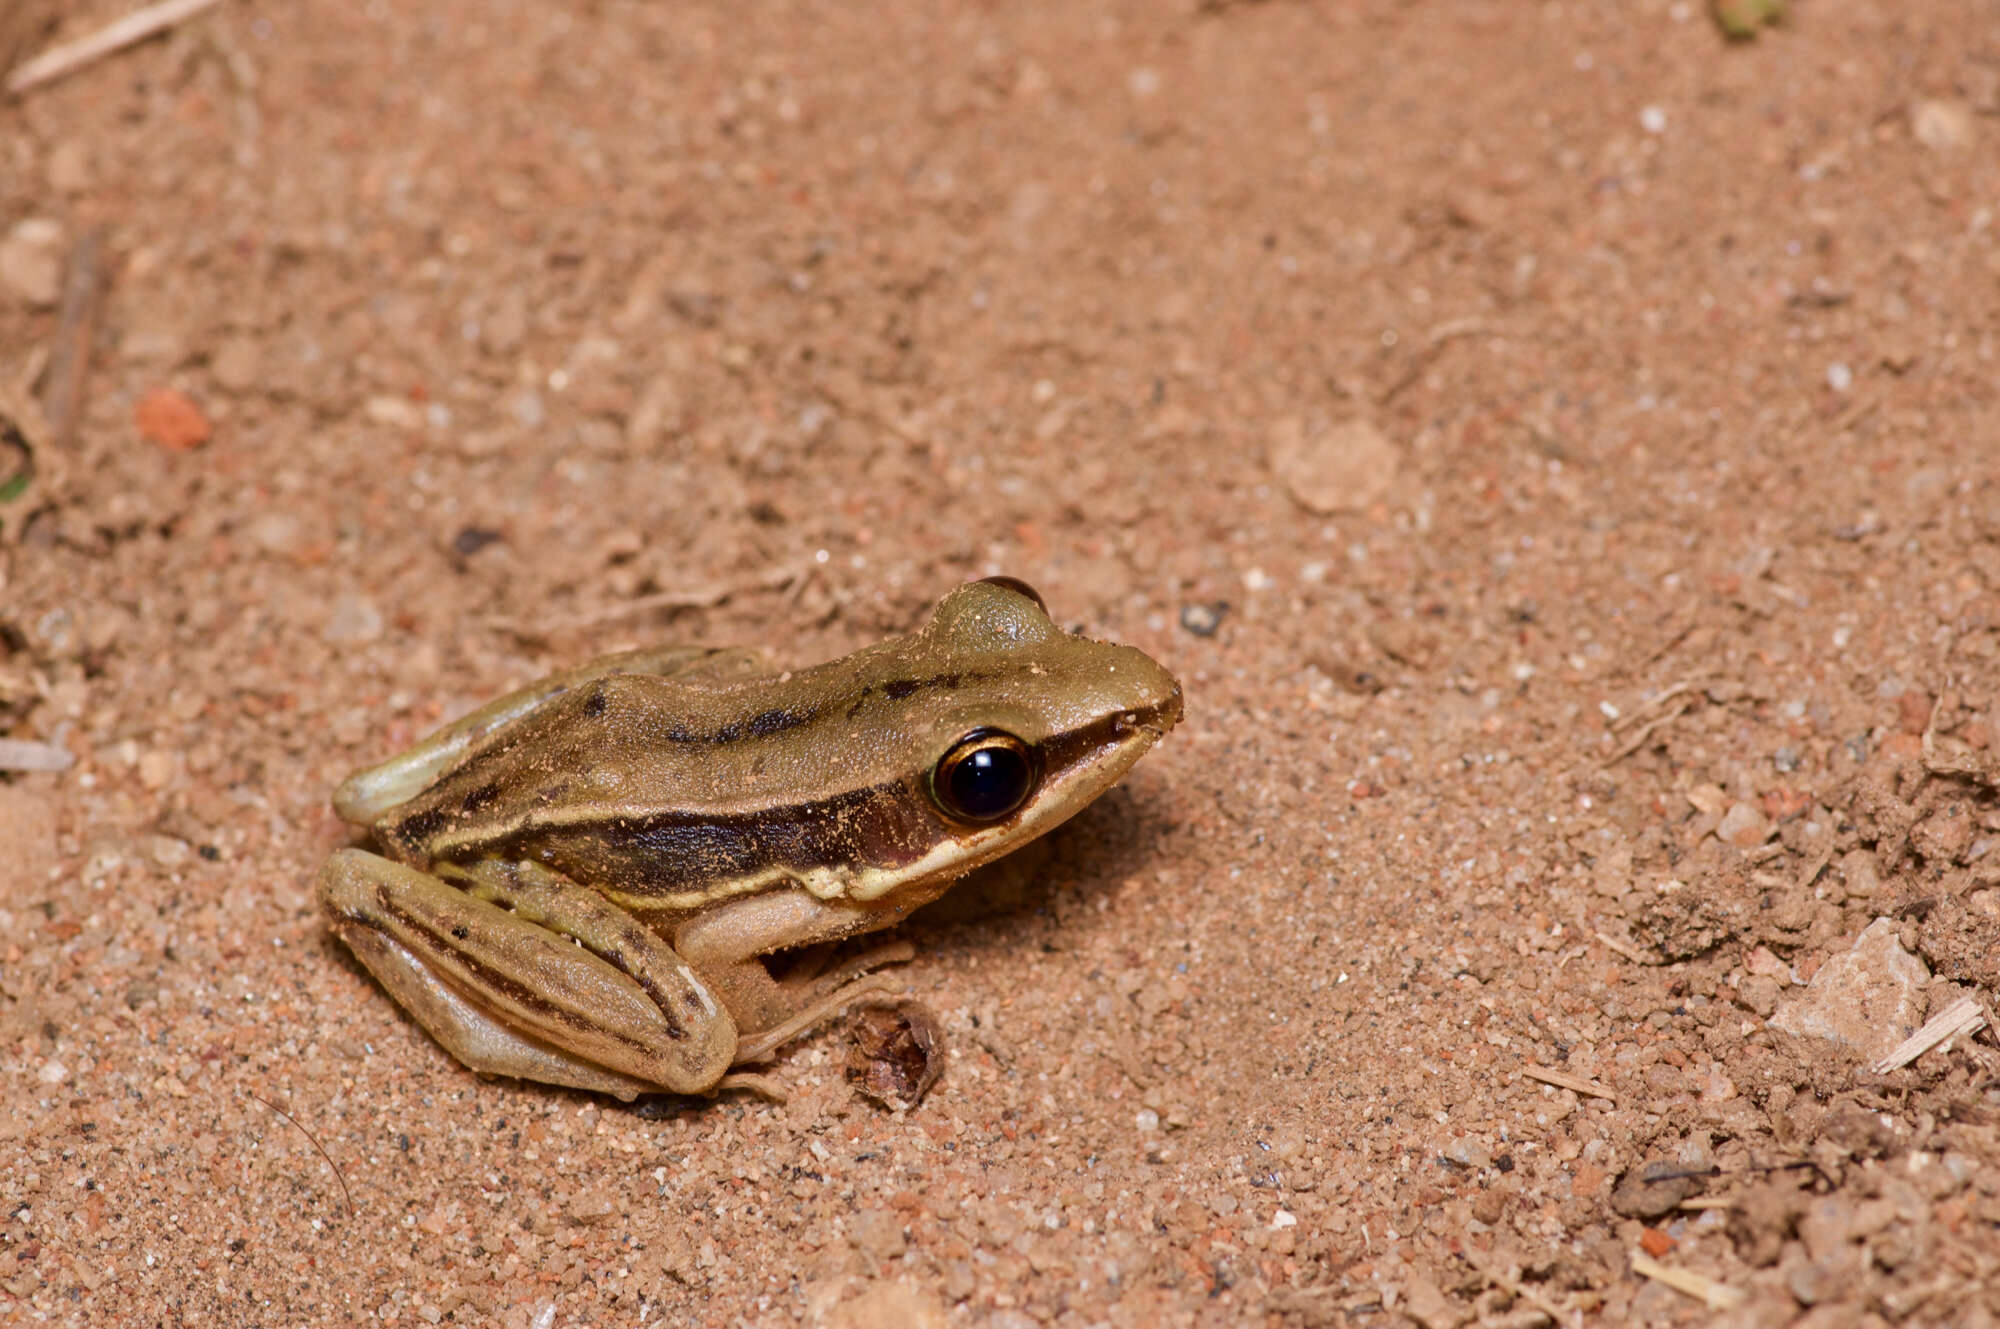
1555,447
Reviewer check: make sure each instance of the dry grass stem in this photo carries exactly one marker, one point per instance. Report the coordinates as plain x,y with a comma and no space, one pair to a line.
21,754
69,354
1961,1017
1624,948
1646,731
1716,1296
72,56
1574,1083
692,597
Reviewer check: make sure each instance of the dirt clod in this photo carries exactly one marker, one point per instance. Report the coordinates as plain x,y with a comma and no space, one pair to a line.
1654,1188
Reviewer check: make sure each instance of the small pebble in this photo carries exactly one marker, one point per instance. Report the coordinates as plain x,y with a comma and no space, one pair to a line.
876,1232
1869,998
1344,468
591,1208
394,412
1744,826
1942,126
1469,1152
471,539
237,364
502,330
69,169
277,533
1759,995
171,419
354,621
1655,1189
1203,620
31,262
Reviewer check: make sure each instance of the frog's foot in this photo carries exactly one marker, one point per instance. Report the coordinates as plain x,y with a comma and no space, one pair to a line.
523,973
768,1086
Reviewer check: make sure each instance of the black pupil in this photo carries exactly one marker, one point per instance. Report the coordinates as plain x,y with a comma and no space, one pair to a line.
988,782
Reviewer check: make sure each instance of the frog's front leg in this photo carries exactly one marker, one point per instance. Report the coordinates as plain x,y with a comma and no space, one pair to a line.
728,945
518,971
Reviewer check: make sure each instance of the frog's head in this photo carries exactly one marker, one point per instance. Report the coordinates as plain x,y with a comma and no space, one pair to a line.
1008,725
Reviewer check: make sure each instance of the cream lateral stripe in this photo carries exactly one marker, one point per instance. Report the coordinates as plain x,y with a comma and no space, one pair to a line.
551,821
824,883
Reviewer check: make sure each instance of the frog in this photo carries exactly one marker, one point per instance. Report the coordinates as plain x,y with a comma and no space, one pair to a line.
637,875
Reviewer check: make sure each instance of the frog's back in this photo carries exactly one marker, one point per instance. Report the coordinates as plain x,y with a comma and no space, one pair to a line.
648,785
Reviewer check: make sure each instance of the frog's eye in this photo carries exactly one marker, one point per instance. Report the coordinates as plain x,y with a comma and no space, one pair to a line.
1018,587
986,775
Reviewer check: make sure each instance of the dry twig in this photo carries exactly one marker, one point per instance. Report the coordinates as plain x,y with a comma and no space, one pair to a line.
1438,338
72,56
692,597
1715,1295
1961,1017
1666,695
1624,948
1574,1083
1509,1281
1645,734
337,1174
69,354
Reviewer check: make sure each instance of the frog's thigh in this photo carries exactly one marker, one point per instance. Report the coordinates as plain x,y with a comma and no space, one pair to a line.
366,795
514,997
477,1040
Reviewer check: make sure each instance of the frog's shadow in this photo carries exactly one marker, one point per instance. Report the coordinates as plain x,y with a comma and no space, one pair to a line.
1086,858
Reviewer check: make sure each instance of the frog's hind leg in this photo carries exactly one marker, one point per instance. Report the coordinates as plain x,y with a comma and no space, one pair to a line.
366,795
558,985
480,1042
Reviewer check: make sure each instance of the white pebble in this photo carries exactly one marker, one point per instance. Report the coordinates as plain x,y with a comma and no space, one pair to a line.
1653,120
1839,377
354,621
